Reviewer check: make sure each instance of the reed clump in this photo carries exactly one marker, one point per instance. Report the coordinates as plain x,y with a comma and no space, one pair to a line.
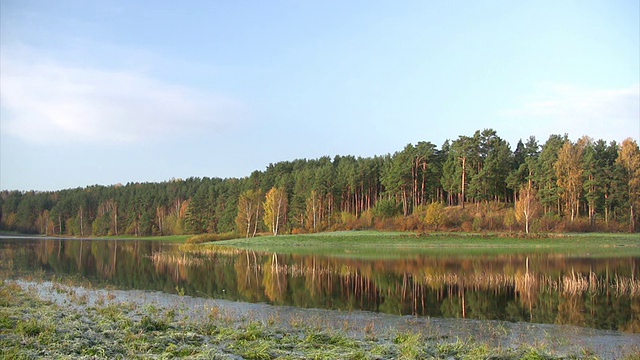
179,259
573,284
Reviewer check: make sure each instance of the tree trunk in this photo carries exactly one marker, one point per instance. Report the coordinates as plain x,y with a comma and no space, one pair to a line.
606,208
115,217
249,214
424,180
255,224
464,172
81,222
405,206
313,199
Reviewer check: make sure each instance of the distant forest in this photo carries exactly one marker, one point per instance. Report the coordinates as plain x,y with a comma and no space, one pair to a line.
473,183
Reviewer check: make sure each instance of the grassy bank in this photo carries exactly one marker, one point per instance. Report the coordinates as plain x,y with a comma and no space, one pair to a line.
31,328
391,244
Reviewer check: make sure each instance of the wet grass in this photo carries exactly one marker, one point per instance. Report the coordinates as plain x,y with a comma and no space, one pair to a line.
396,244
31,328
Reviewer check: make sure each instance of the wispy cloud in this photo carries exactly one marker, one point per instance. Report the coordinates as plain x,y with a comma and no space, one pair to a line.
610,114
44,101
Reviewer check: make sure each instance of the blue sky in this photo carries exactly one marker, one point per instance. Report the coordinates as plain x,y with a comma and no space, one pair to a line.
106,92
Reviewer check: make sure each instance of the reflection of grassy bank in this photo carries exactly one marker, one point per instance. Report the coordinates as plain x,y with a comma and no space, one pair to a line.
168,238
392,244
32,328
534,280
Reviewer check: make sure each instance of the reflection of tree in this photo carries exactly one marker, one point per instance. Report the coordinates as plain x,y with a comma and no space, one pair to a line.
452,306
248,277
547,289
274,280
570,311
632,323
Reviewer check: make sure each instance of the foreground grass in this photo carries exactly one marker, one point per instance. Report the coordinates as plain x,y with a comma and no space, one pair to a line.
31,328
395,244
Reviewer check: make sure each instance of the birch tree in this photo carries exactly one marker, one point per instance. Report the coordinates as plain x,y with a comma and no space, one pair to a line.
249,211
527,206
275,209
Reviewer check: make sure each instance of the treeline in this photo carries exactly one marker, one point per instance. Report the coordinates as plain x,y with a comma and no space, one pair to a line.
472,183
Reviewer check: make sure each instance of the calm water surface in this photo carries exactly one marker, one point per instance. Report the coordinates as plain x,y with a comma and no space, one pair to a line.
601,293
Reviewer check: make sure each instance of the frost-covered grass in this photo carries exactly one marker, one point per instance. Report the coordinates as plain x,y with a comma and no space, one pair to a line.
32,328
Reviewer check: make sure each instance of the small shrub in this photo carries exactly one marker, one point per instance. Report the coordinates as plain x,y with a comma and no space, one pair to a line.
509,219
579,225
614,226
366,220
297,231
414,222
383,224
400,223
385,209
348,220
477,223
550,222
435,217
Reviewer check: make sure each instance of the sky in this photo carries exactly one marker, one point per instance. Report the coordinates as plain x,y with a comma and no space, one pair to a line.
108,92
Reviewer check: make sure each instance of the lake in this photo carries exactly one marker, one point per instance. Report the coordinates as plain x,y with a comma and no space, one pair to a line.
582,290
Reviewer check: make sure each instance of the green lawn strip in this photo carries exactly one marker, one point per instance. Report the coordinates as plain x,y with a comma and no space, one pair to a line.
384,244
31,328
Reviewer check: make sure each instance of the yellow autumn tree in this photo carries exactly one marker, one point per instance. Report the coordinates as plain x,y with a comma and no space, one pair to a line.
629,159
568,169
275,209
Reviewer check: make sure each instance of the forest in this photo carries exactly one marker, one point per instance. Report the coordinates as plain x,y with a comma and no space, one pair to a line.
473,183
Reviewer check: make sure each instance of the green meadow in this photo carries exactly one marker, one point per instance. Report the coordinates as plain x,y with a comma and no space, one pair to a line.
398,244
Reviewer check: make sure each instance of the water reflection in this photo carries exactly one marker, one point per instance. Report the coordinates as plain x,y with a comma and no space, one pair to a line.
600,293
